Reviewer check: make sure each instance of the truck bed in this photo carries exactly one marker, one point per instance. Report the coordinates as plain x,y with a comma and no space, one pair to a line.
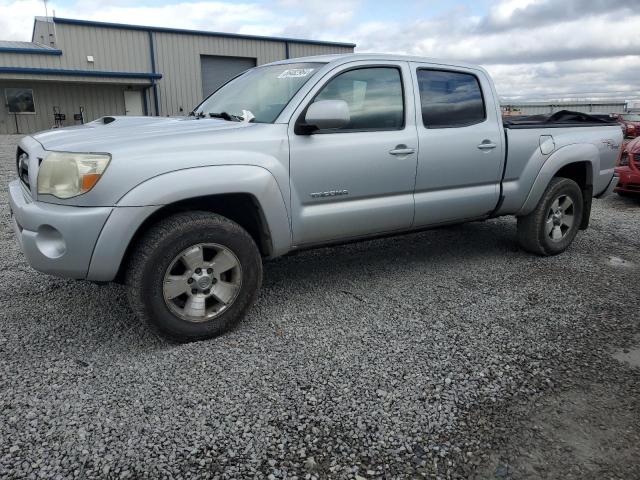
534,142
561,119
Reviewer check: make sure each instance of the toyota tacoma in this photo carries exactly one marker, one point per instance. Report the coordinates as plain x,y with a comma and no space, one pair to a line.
292,155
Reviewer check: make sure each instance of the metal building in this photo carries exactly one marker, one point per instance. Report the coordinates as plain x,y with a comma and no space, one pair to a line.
538,108
78,70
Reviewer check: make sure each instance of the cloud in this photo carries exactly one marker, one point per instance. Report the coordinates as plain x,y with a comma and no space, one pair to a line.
606,78
591,55
16,18
222,16
516,14
448,38
535,49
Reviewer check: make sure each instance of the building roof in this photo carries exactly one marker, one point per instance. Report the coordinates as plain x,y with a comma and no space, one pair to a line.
10,46
560,103
91,23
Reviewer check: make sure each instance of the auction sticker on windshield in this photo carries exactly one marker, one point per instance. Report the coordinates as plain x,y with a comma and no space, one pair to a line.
296,72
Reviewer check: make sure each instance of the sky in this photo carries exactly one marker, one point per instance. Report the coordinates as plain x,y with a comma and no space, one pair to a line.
536,50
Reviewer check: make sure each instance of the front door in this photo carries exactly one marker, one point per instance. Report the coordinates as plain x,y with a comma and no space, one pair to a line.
133,103
461,144
357,180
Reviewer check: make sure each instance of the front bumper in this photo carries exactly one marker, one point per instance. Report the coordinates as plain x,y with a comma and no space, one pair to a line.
56,239
629,180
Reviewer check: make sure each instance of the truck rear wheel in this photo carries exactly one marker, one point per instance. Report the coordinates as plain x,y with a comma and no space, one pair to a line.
555,222
194,275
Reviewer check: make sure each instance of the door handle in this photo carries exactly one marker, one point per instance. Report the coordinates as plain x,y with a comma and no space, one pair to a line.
402,150
487,145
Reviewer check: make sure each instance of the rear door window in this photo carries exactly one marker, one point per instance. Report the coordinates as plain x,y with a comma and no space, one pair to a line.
450,99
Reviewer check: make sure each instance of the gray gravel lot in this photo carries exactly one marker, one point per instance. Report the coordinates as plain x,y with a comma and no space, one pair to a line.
443,354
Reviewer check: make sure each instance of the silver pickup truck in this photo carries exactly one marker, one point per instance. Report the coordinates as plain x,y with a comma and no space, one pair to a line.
293,155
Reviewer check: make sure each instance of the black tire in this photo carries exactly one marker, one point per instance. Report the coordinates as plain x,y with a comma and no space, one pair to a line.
532,234
158,248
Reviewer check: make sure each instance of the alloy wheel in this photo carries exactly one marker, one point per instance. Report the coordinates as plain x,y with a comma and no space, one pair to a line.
201,282
560,218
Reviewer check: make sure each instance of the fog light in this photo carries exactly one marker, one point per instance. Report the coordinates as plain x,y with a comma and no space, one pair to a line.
50,242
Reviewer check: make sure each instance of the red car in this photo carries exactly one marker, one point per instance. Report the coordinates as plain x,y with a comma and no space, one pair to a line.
630,124
628,169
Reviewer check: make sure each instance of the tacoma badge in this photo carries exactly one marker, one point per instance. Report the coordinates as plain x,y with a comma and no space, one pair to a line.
330,193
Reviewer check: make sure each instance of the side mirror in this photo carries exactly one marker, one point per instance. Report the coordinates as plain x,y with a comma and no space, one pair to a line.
328,114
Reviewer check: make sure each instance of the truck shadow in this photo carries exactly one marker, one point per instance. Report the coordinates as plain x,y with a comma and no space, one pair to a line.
469,243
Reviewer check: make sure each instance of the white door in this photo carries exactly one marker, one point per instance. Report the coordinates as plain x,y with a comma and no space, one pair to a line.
133,102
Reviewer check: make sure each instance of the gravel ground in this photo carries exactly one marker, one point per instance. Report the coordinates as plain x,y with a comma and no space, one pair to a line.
444,354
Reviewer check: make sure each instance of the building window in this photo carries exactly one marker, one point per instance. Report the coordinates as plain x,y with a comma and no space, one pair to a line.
20,100
450,99
374,96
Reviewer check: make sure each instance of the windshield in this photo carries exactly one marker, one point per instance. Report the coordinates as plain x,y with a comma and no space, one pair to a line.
260,93
631,118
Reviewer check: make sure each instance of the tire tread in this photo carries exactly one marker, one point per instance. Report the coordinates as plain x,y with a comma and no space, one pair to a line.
169,229
530,237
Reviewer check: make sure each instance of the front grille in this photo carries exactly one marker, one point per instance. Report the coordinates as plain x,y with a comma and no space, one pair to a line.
22,164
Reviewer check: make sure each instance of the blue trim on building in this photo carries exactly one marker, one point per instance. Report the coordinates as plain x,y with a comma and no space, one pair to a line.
80,73
152,50
123,26
34,51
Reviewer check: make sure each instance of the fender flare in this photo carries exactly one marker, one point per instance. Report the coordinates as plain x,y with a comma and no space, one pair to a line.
574,153
136,206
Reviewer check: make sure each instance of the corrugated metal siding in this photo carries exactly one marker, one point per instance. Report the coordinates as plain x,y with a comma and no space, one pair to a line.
97,100
113,50
25,45
307,50
74,79
31,61
178,59
546,108
44,32
35,61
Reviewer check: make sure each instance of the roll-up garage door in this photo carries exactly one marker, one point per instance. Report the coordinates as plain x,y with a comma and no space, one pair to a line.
217,70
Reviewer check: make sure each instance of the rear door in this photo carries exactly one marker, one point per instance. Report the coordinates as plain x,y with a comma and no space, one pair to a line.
357,180
461,144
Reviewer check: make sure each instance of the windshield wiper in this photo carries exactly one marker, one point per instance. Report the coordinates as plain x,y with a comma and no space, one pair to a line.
193,113
226,116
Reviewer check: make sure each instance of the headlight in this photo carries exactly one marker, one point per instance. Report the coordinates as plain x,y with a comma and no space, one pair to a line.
66,175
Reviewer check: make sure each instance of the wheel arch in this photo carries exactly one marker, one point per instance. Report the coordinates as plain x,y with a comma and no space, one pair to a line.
247,195
577,162
243,208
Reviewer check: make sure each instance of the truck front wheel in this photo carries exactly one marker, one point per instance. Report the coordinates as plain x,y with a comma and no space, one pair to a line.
193,275
555,222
